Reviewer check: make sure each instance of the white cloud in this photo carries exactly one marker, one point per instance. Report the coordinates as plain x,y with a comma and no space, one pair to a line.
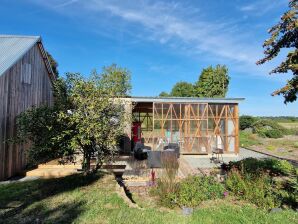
178,25
261,7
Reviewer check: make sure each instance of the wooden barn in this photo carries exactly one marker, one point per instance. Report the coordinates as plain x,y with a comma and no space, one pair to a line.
25,80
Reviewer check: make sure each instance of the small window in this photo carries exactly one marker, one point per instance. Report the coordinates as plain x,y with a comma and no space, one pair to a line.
26,73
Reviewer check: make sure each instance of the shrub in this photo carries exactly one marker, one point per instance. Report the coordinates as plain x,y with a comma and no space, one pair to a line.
273,133
246,121
195,189
266,183
257,166
167,186
256,190
269,128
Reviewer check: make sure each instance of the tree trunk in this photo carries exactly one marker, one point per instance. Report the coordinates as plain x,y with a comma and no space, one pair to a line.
86,162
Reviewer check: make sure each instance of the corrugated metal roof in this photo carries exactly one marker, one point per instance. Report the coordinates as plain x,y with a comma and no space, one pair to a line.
12,48
184,99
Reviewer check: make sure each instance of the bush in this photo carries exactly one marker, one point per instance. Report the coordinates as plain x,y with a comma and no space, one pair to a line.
273,133
195,189
257,190
266,183
257,166
268,128
246,121
190,192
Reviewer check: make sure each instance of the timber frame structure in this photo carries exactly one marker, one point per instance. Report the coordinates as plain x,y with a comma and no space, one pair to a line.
197,124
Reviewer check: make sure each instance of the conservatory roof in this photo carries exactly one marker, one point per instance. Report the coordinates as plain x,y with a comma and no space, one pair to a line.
143,99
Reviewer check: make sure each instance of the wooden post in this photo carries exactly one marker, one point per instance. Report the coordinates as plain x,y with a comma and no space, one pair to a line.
236,117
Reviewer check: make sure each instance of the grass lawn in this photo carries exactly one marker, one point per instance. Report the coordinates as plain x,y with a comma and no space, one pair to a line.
80,199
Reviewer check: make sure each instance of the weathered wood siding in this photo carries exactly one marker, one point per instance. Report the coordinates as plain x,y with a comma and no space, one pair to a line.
25,84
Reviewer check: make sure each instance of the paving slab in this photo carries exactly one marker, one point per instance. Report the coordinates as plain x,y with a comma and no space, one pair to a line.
205,162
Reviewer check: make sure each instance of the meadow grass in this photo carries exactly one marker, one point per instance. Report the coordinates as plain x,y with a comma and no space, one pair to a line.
94,199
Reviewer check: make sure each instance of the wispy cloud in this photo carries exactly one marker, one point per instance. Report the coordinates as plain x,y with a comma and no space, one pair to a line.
178,25
261,7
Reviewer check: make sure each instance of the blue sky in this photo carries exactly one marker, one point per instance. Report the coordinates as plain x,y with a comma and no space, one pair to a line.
160,42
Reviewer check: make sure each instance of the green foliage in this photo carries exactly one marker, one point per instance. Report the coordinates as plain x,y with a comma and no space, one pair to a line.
273,134
246,121
183,89
195,189
41,127
94,199
256,166
248,139
255,189
97,118
86,116
213,82
164,94
280,185
269,128
189,192
284,35
114,81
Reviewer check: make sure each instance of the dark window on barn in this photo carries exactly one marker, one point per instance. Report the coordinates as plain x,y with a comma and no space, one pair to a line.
26,73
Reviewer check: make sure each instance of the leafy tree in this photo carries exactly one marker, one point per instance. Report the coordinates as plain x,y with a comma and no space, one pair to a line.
96,119
246,121
182,89
285,35
213,82
116,81
53,63
86,117
164,94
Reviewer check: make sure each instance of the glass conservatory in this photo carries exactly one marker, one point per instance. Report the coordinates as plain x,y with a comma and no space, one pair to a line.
197,124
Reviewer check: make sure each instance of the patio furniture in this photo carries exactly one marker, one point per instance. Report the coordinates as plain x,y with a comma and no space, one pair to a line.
155,157
140,151
218,152
173,146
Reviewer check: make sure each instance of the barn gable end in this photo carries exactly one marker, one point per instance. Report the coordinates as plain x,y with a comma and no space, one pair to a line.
25,82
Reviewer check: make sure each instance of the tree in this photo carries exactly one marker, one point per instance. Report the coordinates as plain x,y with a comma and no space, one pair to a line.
116,81
53,63
213,82
164,94
246,121
182,89
91,120
97,119
285,35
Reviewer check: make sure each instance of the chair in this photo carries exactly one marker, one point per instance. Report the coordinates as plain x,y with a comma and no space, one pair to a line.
218,152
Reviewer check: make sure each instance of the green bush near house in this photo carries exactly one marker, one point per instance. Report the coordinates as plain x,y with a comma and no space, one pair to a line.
190,192
256,190
269,129
246,121
267,183
195,189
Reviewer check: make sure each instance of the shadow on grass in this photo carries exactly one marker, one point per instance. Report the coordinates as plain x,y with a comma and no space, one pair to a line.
17,199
